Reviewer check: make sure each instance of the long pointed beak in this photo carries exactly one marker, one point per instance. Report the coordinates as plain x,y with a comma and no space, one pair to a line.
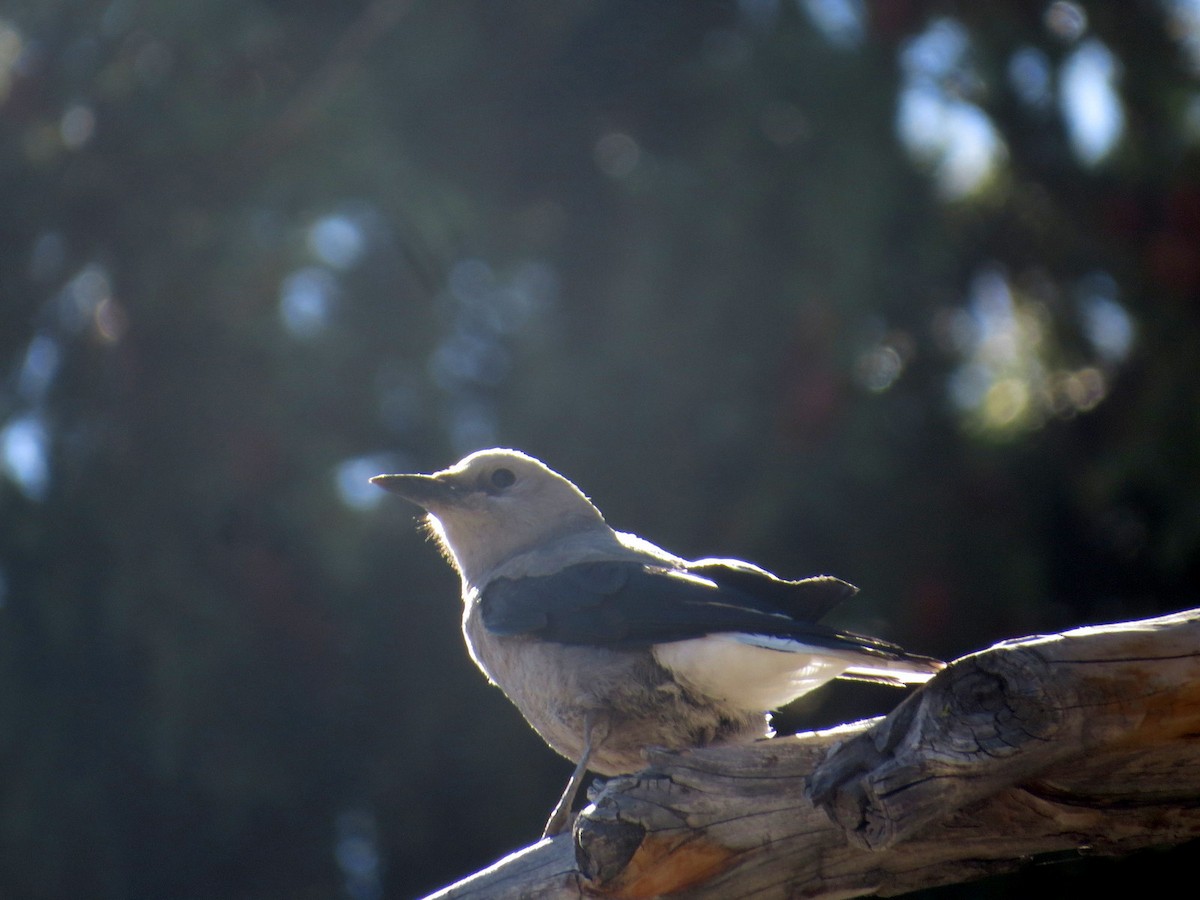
427,491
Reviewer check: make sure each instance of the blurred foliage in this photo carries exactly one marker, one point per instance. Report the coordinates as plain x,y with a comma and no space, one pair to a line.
905,292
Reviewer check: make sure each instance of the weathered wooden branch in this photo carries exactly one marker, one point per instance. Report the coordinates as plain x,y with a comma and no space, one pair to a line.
1086,742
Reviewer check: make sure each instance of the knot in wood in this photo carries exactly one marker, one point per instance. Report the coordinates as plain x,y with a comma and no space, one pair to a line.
1000,702
604,847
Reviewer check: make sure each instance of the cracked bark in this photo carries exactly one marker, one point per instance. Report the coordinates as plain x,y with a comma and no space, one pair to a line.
1086,742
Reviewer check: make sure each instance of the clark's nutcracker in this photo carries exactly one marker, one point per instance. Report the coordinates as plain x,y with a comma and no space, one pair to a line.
608,644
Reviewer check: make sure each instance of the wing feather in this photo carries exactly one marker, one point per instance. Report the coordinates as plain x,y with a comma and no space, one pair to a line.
624,604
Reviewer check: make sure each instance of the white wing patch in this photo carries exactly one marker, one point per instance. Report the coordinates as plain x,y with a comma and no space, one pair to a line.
750,671
760,672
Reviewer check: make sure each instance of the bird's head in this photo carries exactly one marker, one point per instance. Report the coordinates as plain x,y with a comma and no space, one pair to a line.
493,505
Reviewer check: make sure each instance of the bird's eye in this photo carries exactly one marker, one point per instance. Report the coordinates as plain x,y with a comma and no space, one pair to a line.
503,478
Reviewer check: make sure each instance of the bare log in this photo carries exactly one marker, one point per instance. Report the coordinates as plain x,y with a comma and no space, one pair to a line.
1086,742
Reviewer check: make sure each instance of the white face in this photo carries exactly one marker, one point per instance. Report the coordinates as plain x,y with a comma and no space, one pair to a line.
505,503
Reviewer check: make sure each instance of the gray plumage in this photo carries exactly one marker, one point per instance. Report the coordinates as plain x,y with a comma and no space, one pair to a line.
609,644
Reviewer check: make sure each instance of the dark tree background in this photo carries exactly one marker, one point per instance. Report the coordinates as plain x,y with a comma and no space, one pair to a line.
901,291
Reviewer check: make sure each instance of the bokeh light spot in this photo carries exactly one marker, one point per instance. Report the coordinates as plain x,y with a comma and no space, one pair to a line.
1106,323
306,301
352,478
1086,388
11,46
617,154
1089,101
941,129
79,298
356,850
77,125
24,454
1005,402
39,368
473,426
1066,21
466,357
337,241
1183,24
841,22
109,321
878,368
1011,376
1030,75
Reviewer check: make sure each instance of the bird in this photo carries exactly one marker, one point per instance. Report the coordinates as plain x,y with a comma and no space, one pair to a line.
610,645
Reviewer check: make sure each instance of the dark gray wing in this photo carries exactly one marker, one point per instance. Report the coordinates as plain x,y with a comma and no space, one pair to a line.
808,599
629,604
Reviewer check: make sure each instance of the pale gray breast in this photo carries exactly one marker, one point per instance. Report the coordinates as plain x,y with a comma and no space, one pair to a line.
639,702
